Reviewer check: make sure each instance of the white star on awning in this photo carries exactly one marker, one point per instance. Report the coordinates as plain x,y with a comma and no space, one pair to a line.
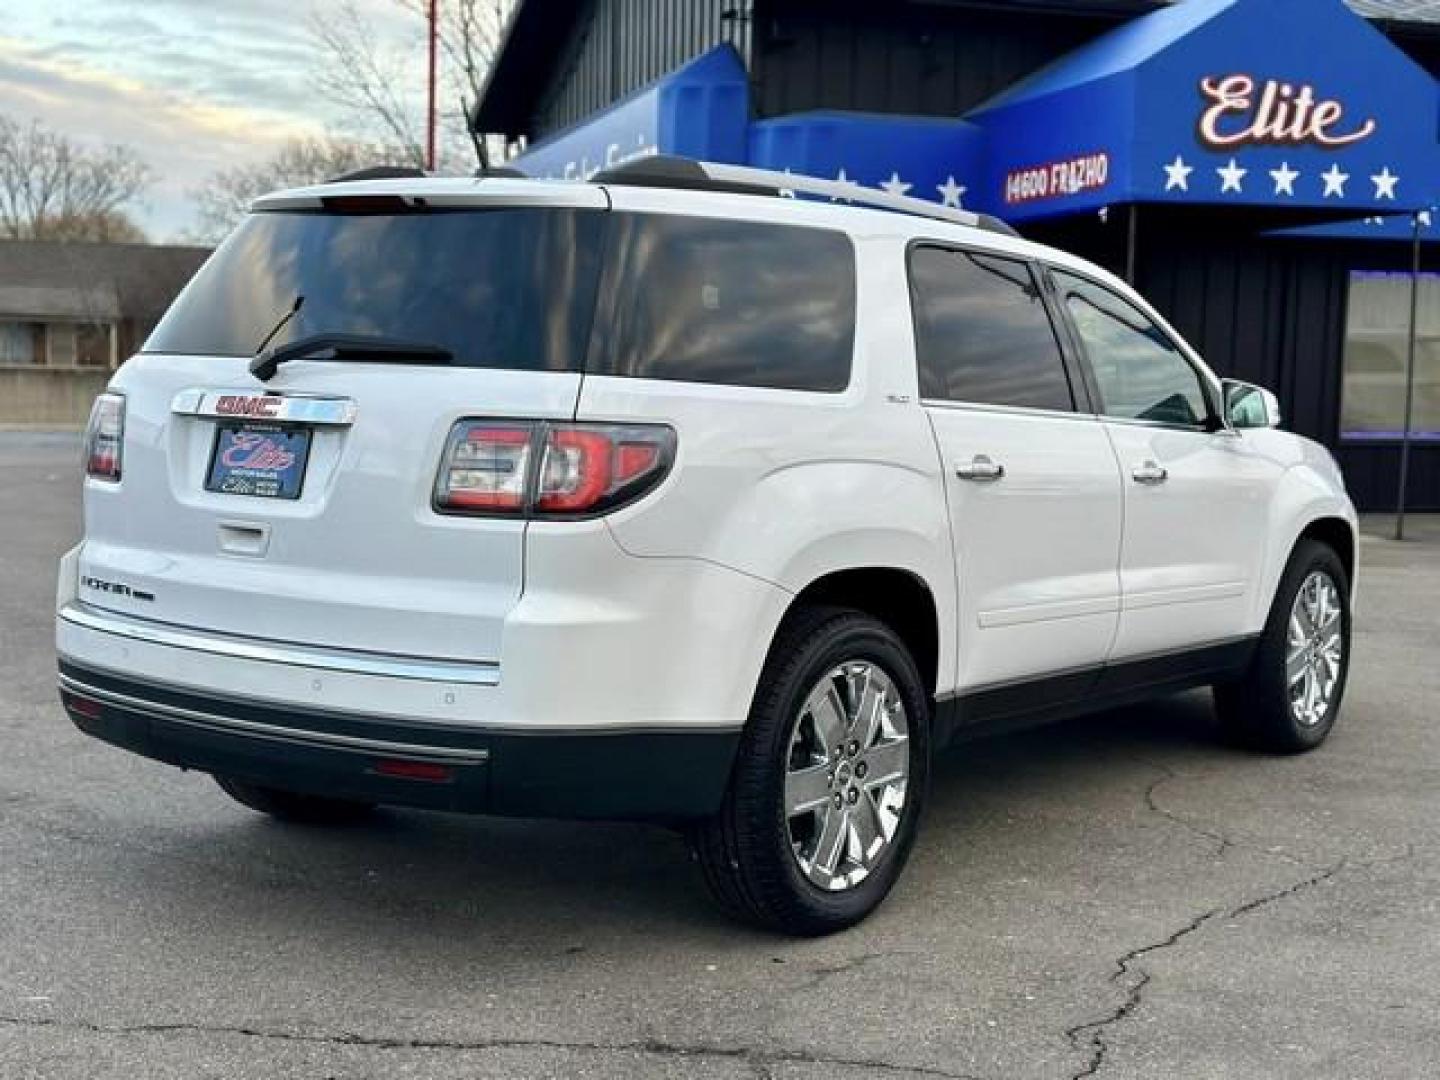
1230,177
951,192
896,186
1334,182
1177,174
1385,182
1284,178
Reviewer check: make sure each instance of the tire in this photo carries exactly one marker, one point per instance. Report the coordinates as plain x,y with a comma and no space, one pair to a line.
293,807
1266,709
753,852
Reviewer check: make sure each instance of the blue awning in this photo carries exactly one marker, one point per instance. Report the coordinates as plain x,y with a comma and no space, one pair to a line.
1260,103
919,156
700,110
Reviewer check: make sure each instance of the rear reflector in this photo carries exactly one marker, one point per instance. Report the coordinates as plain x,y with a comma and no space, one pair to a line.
584,469
83,706
415,770
105,438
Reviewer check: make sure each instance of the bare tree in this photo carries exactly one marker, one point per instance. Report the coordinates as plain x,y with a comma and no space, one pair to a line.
223,200
369,81
54,188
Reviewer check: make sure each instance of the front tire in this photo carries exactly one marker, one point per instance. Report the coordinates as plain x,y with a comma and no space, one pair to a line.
292,806
829,781
1288,700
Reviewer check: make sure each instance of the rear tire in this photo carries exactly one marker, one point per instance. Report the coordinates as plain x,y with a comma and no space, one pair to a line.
292,806
829,782
1288,700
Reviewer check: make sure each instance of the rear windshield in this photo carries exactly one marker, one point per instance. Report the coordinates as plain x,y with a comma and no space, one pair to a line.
666,296
510,288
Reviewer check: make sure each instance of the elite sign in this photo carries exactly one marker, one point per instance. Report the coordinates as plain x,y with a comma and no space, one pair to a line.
1280,103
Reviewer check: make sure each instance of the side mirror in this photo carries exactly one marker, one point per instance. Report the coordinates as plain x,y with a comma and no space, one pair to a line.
1250,406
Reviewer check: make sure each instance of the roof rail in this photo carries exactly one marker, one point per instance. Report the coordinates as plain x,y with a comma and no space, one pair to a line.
676,172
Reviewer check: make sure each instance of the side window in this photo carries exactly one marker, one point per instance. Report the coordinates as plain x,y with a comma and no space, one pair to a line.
711,300
982,333
1140,373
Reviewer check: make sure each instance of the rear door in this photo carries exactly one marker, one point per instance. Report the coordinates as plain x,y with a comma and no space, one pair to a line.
1034,492
1197,497
300,509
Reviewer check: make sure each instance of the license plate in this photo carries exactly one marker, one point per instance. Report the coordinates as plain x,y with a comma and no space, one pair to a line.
264,460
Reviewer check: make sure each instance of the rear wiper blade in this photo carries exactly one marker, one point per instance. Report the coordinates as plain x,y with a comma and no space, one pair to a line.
360,347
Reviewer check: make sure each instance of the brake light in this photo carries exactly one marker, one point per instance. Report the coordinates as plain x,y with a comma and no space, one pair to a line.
105,437
583,469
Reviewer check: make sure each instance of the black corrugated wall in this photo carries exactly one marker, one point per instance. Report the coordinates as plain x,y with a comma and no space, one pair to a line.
619,45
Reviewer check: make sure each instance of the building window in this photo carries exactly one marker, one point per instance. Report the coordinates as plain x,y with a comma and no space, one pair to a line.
1377,327
18,343
61,340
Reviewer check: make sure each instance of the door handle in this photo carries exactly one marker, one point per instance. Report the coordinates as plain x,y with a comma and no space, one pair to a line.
1151,472
980,469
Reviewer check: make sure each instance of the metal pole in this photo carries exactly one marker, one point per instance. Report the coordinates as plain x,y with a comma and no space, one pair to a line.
1409,379
430,110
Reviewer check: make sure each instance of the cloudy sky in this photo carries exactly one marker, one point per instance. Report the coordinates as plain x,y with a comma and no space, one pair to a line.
192,85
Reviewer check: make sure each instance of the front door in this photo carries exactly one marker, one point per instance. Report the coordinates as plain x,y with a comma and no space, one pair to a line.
1197,494
1034,493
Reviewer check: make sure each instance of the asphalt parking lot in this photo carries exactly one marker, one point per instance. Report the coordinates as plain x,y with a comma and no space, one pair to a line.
1118,896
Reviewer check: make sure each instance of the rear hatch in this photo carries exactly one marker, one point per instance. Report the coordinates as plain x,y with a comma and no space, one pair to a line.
301,508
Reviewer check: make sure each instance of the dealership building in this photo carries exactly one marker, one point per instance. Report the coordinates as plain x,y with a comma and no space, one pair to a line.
1263,170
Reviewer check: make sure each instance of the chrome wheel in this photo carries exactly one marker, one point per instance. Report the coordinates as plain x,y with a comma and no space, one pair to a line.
846,774
1315,649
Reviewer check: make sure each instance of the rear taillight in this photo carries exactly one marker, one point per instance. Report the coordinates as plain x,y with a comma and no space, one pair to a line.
105,438
550,470
486,468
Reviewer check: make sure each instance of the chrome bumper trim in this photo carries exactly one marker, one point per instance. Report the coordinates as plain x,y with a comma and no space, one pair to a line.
472,673
275,732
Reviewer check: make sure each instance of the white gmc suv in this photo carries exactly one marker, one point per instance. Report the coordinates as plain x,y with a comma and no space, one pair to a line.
661,497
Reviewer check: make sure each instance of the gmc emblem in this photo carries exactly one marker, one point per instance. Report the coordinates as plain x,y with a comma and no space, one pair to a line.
236,405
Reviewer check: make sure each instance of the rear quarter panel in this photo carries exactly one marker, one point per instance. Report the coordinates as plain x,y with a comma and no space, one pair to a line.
789,486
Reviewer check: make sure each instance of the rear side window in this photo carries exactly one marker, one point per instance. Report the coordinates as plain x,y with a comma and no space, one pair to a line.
716,301
982,333
506,288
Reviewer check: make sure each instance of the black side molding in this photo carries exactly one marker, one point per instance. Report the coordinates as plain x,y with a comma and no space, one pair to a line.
1013,706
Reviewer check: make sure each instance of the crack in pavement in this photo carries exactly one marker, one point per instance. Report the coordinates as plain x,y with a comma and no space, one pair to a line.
1153,804
1089,1037
758,1061
817,975
1222,840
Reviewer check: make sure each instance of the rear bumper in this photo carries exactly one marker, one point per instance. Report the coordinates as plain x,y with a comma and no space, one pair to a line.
625,775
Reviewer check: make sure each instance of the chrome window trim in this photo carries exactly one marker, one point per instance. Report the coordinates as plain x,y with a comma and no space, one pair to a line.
1010,410
293,408
1193,429
275,732
351,661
